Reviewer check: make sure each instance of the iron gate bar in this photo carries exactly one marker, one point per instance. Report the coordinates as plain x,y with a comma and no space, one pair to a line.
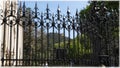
114,38
47,52
30,24
4,36
64,36
77,30
17,23
23,42
42,24
53,25
36,42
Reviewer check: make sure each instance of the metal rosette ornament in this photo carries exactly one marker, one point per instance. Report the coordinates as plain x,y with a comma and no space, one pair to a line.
9,16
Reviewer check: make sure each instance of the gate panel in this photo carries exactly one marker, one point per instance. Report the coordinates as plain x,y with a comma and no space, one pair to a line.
31,38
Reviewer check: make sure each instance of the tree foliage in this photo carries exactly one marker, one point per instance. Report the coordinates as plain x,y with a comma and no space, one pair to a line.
100,21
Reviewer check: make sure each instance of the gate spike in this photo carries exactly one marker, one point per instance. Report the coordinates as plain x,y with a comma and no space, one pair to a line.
58,8
36,8
24,6
11,4
36,5
24,9
68,10
58,13
47,9
77,12
41,16
47,12
5,13
20,9
11,8
68,13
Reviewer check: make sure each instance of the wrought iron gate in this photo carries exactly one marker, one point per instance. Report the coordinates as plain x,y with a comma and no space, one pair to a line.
45,42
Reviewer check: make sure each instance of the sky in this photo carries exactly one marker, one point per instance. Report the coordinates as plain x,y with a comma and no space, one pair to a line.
53,5
73,5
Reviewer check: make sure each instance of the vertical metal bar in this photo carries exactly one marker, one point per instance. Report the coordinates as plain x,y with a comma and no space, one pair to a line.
90,46
47,54
114,47
106,43
53,26
78,28
64,26
69,42
10,43
29,44
59,34
17,42
32,49
84,45
24,28
41,44
93,47
107,48
86,42
81,40
100,39
53,44
24,56
36,44
74,46
78,46
4,36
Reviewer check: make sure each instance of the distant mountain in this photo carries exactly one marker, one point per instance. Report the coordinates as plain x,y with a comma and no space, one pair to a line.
57,38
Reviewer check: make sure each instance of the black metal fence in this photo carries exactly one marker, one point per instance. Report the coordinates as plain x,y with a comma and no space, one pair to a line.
45,42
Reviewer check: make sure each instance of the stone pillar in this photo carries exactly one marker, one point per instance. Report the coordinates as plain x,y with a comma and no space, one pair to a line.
13,35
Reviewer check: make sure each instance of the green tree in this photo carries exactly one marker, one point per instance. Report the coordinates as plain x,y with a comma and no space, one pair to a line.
100,21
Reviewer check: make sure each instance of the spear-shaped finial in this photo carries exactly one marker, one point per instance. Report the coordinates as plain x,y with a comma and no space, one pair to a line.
76,12
36,8
68,13
47,12
11,4
47,9
24,9
68,10
11,8
58,9
5,13
24,6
